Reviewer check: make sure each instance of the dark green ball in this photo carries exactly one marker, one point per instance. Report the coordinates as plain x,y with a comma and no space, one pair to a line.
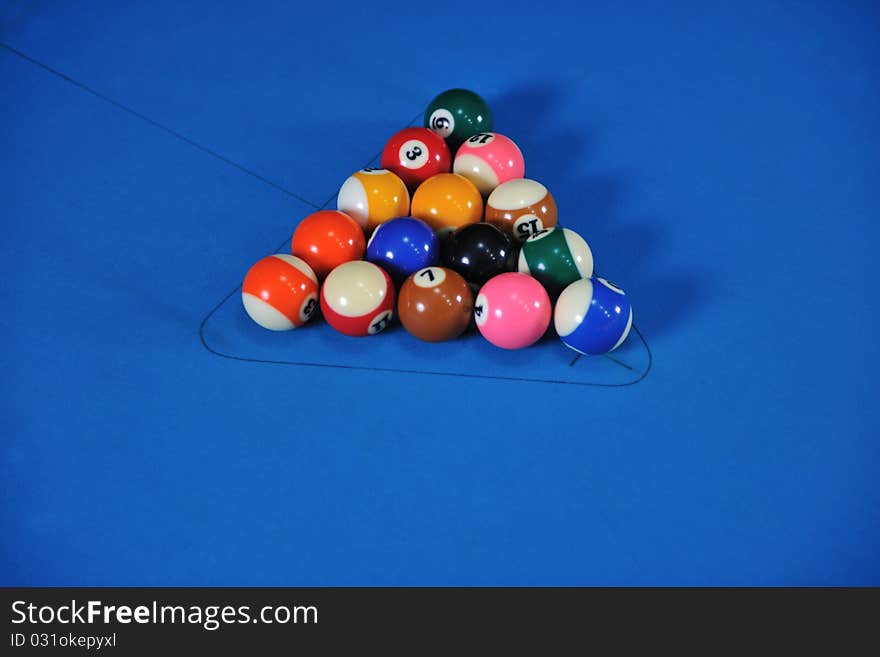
458,114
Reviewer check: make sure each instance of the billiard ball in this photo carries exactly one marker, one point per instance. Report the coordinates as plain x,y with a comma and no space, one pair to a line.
457,114
447,201
435,304
488,159
556,257
357,298
326,239
402,246
512,310
593,316
280,292
416,154
372,197
521,207
480,251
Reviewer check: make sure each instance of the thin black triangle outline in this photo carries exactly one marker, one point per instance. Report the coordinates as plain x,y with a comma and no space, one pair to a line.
395,370
245,170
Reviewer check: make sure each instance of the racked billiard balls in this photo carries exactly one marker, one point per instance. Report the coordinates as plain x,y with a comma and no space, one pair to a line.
557,257
488,159
435,304
357,298
512,310
521,207
447,201
280,292
457,114
402,246
479,251
327,238
372,197
416,154
593,316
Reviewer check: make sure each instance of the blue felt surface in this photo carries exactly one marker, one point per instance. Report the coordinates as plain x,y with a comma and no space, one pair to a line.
722,163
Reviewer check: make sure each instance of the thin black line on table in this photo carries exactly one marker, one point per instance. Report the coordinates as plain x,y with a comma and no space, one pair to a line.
393,370
159,126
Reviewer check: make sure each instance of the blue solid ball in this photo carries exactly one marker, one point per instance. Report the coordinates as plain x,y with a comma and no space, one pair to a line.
402,247
593,316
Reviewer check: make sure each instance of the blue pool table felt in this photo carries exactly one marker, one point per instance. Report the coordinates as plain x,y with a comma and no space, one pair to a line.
722,163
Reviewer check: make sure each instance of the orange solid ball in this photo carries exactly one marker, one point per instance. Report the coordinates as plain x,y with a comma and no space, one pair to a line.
326,239
447,201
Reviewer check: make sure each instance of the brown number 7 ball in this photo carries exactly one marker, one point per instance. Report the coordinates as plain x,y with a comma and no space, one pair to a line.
435,304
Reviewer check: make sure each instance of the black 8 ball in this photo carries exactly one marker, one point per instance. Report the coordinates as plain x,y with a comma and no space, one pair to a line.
480,251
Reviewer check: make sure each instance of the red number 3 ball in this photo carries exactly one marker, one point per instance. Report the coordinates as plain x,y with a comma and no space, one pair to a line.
416,154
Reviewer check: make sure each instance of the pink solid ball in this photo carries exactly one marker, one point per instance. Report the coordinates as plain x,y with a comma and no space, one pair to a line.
512,310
